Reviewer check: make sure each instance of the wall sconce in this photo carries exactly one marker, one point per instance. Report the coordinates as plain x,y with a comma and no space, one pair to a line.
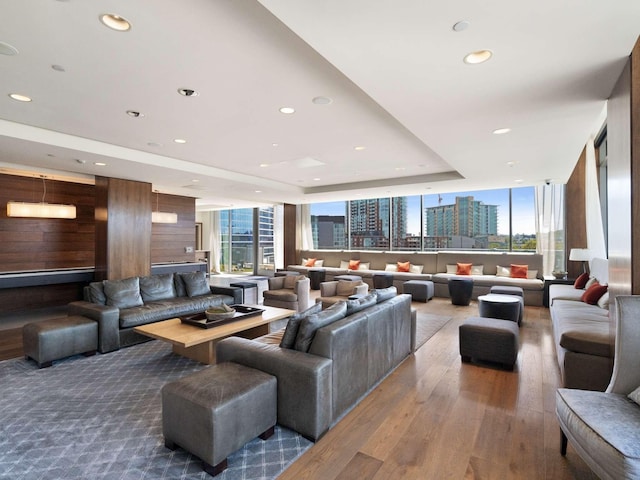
580,255
162,217
42,209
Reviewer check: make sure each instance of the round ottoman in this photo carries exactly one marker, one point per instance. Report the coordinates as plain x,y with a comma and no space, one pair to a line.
505,307
489,339
316,277
460,290
509,290
382,280
420,290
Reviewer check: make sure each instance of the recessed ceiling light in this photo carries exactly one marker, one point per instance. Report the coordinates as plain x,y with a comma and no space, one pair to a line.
399,169
263,165
511,164
195,180
460,26
518,181
287,110
188,92
179,140
20,98
258,191
316,179
6,49
134,113
274,144
100,164
479,56
501,131
58,68
359,148
322,100
115,22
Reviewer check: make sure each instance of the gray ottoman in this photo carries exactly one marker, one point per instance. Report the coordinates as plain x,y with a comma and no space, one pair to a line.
57,338
420,290
508,290
214,412
505,307
382,280
489,339
348,278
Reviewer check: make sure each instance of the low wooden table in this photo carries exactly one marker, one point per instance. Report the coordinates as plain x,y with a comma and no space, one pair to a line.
200,343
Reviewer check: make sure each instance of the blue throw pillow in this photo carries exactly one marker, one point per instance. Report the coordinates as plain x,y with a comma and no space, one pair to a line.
312,323
290,333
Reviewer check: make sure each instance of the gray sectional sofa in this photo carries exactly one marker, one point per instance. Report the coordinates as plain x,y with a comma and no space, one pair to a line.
434,266
120,305
584,334
329,370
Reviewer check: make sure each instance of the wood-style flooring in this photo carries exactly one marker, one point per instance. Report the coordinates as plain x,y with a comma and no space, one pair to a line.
436,418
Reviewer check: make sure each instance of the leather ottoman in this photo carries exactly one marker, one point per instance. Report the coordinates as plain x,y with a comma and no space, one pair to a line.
420,290
214,412
489,339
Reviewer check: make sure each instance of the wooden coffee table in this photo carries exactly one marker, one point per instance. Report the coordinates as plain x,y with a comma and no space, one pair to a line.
200,343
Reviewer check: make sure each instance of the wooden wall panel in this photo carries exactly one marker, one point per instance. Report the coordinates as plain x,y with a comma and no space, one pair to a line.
290,240
635,168
46,243
575,215
168,241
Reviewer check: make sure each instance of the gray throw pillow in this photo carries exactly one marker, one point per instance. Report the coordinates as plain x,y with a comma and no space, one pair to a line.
309,325
196,283
290,333
358,304
123,293
157,287
96,293
386,293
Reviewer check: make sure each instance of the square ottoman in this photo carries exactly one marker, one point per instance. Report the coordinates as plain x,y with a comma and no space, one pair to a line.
214,412
420,290
489,339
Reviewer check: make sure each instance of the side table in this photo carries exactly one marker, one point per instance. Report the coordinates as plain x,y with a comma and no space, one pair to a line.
316,277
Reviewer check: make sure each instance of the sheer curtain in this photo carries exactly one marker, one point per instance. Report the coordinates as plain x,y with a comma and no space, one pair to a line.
214,241
306,232
278,236
549,200
595,229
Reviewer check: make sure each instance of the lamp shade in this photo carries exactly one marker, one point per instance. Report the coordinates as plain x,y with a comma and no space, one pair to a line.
164,217
579,255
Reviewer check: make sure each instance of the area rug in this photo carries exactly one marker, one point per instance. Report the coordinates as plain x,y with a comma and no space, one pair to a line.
427,325
100,418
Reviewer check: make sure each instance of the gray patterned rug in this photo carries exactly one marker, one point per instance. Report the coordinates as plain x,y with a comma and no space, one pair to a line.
100,418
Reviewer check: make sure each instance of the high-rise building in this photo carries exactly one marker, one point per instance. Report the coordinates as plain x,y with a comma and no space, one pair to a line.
466,218
370,220
329,231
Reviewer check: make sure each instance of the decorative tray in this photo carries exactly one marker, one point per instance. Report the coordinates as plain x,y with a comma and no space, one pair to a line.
200,320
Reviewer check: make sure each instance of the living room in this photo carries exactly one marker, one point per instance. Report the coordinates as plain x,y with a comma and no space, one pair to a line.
53,153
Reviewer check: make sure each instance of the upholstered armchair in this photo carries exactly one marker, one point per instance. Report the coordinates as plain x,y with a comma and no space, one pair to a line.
290,291
604,427
335,291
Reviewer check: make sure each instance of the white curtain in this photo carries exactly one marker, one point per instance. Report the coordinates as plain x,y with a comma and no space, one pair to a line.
214,241
595,229
306,231
549,200
278,236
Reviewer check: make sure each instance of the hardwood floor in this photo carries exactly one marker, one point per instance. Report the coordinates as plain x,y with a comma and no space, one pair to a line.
436,418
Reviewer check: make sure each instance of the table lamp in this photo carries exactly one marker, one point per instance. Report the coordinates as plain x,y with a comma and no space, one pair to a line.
580,255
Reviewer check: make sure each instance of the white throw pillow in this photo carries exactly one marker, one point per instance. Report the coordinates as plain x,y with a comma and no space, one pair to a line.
364,265
532,274
344,265
319,263
590,282
477,269
503,271
452,269
391,267
603,301
304,261
635,395
417,269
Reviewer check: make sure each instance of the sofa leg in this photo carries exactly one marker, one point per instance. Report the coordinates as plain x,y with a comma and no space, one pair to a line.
563,443
267,433
214,470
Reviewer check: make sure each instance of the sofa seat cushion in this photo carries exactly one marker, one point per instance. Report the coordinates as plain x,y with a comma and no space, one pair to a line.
491,280
606,425
583,328
281,295
170,308
564,292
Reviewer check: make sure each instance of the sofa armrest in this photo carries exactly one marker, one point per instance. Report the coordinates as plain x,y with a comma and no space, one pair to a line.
108,322
302,289
328,289
304,382
234,292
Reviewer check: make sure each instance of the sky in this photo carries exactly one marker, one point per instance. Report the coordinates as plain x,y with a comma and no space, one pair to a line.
522,201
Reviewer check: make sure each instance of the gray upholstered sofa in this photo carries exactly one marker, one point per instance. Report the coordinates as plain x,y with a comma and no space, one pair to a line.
120,305
345,358
584,335
434,266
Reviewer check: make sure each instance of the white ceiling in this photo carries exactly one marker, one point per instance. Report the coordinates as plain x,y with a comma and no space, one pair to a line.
393,70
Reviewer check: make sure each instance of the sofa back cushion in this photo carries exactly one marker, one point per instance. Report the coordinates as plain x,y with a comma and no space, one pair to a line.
195,283
293,325
310,324
346,287
157,287
358,304
123,293
383,294
95,293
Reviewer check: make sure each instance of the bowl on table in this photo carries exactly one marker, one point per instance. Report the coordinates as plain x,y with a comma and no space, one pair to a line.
219,313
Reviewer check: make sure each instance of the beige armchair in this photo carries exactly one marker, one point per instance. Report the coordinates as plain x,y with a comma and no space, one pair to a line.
290,291
335,291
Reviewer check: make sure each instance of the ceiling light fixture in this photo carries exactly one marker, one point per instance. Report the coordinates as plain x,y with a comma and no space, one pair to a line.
460,26
274,144
188,92
264,165
479,56
179,140
359,148
115,22
58,68
42,209
6,49
287,110
100,164
162,217
19,98
501,131
321,100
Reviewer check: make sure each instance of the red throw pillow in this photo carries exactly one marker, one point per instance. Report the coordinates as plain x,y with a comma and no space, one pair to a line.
464,269
404,266
310,262
593,293
354,264
581,281
519,271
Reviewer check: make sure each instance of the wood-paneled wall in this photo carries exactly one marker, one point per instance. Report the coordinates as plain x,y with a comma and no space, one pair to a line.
46,243
169,240
575,215
291,238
